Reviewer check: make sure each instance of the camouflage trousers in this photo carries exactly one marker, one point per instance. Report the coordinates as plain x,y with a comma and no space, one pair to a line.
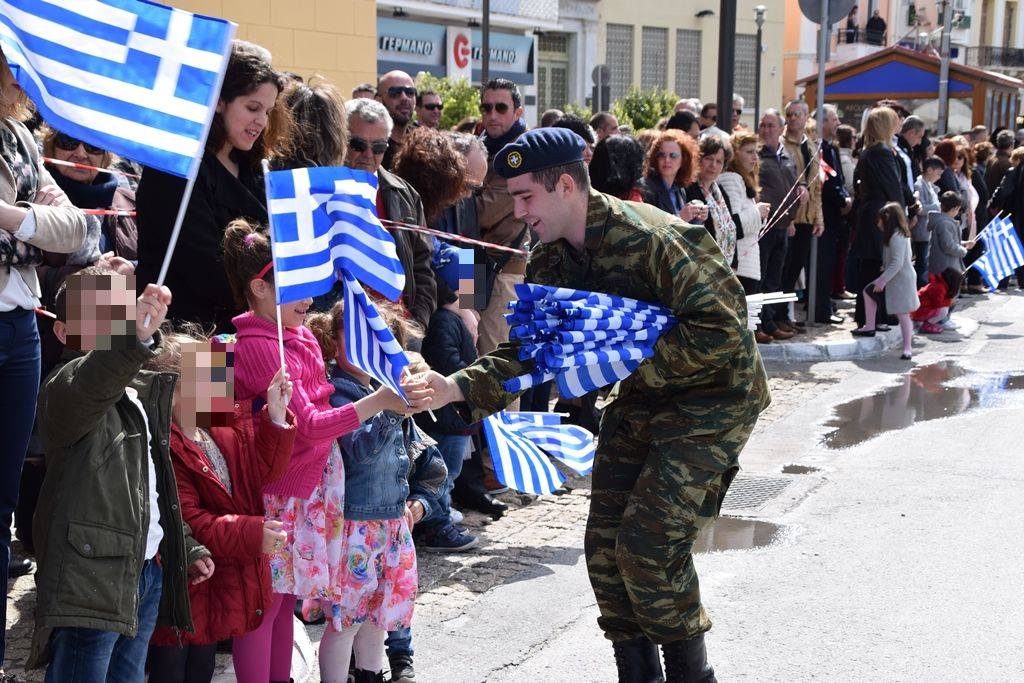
647,508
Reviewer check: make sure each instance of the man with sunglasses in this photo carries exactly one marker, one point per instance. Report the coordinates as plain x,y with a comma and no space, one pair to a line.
369,128
501,108
428,109
397,92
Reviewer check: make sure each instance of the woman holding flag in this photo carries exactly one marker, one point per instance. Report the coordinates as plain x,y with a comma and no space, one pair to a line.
250,124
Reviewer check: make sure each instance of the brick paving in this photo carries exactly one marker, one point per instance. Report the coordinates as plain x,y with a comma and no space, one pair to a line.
533,531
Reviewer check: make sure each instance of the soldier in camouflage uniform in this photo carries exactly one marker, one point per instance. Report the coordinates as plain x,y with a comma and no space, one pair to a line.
672,433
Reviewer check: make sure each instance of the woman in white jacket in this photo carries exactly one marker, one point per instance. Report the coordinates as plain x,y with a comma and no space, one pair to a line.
739,183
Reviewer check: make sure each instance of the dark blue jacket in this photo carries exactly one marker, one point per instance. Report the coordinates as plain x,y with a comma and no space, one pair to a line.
386,460
447,348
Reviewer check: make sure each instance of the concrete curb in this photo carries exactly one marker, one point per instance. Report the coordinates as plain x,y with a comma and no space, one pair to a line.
848,349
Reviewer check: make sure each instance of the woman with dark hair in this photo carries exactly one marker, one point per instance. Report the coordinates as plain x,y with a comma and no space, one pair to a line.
617,165
581,128
686,122
429,161
35,215
720,220
250,124
669,167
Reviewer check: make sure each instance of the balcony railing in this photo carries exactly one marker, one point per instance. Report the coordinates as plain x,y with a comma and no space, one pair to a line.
860,36
995,57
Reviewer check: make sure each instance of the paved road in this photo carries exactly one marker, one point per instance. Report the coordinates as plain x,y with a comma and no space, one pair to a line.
898,560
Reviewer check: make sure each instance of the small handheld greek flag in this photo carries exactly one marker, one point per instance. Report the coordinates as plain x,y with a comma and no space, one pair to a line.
520,444
369,343
132,77
324,220
1003,252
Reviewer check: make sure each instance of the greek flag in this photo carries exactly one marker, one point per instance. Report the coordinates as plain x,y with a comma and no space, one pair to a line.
133,77
571,444
1003,252
369,344
519,463
324,220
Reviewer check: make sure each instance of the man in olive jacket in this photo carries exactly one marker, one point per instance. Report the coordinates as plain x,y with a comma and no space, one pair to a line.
113,550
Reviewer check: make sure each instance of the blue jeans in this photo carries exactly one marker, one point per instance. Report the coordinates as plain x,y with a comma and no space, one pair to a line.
19,389
86,655
399,642
454,448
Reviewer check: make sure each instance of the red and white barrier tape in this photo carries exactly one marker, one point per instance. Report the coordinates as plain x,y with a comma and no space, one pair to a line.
87,167
454,238
108,212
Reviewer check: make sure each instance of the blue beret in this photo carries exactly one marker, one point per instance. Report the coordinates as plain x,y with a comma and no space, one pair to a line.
538,149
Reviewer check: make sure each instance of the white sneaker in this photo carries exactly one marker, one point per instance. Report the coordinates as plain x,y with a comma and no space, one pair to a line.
456,516
949,325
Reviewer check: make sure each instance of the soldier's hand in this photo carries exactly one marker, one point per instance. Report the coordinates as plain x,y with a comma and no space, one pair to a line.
445,390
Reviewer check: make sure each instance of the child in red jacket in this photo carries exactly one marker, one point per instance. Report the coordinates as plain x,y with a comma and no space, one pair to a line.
223,454
936,297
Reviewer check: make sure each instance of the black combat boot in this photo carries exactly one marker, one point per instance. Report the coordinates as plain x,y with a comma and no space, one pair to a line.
686,661
364,676
638,662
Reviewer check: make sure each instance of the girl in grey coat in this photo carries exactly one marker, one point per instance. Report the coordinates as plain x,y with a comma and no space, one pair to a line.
898,279
946,250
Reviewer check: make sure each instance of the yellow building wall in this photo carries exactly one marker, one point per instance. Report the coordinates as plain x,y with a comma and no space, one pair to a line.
336,39
681,15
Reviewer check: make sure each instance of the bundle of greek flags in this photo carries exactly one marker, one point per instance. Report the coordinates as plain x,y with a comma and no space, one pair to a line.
520,444
583,340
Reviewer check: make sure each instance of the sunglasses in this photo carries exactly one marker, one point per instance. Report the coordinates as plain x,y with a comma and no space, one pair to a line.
737,111
670,155
500,107
396,90
361,145
433,107
70,144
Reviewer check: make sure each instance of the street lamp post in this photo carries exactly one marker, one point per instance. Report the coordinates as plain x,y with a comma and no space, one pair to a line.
759,19
485,47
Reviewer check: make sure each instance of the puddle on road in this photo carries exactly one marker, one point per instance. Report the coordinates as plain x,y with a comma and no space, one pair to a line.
800,469
929,392
736,533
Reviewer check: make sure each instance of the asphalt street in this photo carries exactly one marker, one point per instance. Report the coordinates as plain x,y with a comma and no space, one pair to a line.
897,555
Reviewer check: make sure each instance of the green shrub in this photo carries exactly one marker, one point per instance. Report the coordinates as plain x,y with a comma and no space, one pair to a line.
460,98
579,110
644,108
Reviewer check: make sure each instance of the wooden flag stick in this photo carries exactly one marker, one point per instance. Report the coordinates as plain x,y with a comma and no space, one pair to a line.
408,374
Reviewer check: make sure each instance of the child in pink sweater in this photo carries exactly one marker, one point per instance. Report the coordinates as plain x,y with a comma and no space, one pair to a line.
309,498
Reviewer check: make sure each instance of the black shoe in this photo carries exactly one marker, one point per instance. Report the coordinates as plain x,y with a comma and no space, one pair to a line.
485,503
637,661
364,676
686,661
20,566
401,668
863,333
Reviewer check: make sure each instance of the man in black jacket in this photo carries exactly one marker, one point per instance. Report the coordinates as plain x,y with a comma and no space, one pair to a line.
369,127
835,204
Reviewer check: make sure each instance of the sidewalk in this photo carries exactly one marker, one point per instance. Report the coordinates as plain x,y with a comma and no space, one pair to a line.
834,342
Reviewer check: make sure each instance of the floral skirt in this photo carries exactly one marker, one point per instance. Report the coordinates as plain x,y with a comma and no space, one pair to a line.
378,580
308,565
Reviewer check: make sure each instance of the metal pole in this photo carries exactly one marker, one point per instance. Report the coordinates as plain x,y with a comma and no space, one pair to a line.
947,26
824,29
726,62
759,18
485,48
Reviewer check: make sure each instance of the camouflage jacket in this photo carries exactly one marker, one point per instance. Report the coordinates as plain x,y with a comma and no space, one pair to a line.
706,375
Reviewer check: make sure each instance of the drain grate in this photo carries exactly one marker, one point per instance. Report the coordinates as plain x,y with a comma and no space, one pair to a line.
752,492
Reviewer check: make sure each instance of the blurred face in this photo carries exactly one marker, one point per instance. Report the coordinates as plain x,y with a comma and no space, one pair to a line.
498,112
711,166
668,159
914,137
100,312
746,157
545,212
367,144
769,130
709,117
398,93
67,148
247,116
429,114
958,163
10,91
830,125
608,129
207,385
342,359
796,119
932,174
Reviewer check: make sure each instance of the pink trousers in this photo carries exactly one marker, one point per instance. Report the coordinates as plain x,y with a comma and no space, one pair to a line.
266,653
